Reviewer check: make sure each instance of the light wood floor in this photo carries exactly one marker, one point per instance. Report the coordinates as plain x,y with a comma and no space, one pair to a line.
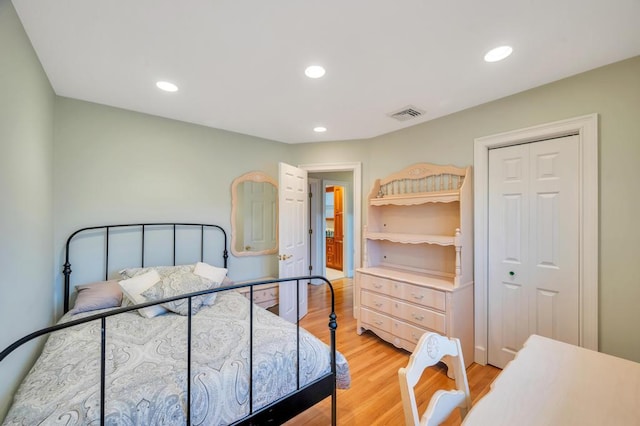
374,396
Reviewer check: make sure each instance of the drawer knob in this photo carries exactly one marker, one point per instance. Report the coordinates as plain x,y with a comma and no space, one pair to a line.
376,285
378,304
417,296
417,317
378,322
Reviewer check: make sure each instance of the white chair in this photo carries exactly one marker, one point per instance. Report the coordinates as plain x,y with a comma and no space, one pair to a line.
431,348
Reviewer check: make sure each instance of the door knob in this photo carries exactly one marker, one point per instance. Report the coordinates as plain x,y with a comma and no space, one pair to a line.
285,256
512,274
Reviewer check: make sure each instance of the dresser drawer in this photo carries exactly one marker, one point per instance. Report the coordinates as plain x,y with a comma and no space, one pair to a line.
377,284
424,296
375,301
408,332
263,295
420,316
376,320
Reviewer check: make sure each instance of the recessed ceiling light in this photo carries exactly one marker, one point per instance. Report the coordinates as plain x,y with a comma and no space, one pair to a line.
166,86
314,71
319,129
498,53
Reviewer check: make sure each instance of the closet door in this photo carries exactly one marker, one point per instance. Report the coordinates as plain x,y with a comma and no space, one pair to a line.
533,245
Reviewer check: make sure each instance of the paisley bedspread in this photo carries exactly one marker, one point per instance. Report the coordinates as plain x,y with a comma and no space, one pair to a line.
146,368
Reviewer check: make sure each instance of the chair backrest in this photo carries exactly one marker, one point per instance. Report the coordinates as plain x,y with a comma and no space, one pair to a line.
430,350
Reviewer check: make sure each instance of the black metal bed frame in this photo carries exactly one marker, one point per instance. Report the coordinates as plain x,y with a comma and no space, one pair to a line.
275,413
143,227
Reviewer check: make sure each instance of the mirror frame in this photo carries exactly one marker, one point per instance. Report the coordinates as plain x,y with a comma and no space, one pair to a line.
254,176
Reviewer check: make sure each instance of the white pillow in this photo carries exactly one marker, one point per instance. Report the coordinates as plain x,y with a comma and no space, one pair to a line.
210,272
134,287
217,275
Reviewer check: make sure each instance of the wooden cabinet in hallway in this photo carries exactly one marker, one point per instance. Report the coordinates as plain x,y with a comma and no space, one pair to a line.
335,228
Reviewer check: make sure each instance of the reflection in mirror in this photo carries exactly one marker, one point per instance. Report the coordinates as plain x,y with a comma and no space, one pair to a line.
254,215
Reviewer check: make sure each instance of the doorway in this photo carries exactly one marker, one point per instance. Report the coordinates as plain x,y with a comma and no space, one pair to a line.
347,175
331,224
585,128
334,229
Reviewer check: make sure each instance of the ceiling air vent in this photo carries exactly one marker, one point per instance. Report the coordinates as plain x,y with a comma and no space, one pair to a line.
406,113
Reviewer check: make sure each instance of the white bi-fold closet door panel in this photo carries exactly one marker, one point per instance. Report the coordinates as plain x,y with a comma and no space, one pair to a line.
533,245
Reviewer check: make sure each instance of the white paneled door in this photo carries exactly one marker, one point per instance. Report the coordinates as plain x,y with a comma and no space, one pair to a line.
293,225
533,245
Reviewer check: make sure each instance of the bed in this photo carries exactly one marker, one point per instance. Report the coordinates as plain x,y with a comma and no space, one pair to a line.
205,356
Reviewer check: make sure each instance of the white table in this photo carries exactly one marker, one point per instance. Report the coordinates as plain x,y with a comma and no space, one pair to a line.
554,383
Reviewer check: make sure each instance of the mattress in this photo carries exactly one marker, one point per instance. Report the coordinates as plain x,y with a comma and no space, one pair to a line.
146,370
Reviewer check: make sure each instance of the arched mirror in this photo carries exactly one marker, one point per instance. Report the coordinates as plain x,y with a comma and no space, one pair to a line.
254,215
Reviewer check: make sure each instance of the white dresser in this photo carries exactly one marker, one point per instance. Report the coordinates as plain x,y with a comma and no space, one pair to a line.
418,273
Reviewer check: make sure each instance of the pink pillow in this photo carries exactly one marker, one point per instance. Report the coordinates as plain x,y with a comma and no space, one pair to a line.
98,295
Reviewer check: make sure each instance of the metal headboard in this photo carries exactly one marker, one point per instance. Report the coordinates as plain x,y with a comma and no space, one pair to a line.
143,227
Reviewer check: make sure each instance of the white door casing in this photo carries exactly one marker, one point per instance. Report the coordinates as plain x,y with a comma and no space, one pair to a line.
533,245
356,196
293,239
586,128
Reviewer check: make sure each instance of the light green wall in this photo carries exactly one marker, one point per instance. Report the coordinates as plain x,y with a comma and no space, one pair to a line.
117,166
614,93
26,227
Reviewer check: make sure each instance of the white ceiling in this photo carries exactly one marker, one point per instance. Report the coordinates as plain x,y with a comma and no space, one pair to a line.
240,63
